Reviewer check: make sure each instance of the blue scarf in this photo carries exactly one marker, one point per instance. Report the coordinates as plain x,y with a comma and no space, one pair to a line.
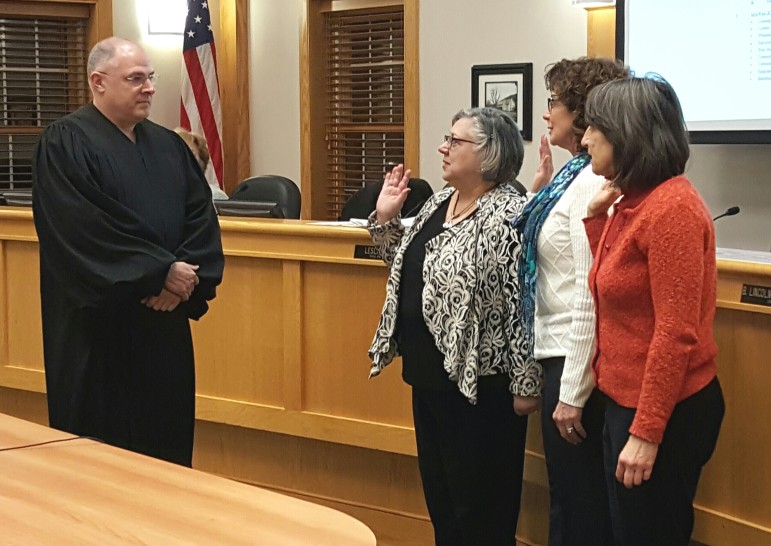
529,223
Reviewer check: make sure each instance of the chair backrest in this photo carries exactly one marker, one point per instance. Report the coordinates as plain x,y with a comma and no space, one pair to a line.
363,202
16,198
278,189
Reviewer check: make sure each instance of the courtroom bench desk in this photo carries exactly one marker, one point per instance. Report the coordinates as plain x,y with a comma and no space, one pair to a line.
284,399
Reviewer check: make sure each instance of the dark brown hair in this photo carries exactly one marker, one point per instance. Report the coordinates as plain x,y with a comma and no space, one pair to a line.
572,80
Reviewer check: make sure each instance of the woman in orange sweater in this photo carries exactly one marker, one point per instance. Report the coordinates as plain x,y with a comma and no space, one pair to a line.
654,282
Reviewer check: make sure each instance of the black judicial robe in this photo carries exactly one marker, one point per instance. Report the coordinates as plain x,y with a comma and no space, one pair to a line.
112,216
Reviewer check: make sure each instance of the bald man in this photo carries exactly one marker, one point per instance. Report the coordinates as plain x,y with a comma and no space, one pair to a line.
129,252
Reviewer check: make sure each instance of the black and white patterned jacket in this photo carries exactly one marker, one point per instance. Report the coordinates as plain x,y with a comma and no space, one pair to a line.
471,296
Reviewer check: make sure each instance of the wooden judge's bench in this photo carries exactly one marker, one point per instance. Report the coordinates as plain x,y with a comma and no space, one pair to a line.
284,400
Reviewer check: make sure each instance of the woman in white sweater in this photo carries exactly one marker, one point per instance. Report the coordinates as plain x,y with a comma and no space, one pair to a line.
558,312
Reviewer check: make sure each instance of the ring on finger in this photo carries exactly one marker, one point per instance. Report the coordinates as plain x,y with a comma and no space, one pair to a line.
569,430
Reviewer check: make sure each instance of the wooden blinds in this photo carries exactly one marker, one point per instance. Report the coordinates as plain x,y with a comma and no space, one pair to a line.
365,99
42,78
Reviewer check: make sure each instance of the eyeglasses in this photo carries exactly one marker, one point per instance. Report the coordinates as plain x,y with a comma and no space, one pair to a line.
550,102
450,140
139,79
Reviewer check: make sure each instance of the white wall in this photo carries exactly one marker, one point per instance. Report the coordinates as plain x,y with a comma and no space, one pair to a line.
456,34
165,52
274,83
736,175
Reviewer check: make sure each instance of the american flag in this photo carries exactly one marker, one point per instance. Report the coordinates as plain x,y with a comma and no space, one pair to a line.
200,110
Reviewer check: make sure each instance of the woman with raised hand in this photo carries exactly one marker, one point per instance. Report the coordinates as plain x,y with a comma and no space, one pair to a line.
558,312
451,312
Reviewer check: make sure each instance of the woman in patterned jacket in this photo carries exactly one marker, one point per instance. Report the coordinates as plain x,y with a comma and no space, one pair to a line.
451,313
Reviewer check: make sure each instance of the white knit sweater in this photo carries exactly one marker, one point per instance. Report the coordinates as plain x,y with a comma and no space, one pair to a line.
564,310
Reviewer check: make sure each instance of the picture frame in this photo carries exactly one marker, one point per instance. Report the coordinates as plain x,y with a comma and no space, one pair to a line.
508,87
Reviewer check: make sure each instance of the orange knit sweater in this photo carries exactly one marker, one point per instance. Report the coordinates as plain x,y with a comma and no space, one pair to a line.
654,284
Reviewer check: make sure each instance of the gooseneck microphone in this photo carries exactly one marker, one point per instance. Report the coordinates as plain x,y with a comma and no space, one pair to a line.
729,212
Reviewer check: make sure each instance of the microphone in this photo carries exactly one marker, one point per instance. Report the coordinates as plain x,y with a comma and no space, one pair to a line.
729,212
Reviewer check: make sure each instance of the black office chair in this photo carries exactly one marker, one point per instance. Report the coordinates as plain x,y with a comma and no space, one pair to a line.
363,202
16,198
270,188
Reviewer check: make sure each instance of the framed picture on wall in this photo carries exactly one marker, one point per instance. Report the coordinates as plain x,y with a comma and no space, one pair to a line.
508,87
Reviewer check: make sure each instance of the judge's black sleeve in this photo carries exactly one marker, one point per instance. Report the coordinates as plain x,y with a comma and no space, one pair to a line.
201,244
103,249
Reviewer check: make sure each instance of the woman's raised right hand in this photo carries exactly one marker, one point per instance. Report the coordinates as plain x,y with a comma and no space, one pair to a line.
393,195
545,171
603,199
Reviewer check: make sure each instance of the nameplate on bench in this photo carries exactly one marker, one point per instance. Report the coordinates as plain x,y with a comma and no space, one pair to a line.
759,295
366,252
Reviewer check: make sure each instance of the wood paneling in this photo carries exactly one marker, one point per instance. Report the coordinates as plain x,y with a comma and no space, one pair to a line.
601,32
98,11
48,8
312,114
233,70
284,399
412,86
335,372
737,480
30,406
24,327
252,284
313,100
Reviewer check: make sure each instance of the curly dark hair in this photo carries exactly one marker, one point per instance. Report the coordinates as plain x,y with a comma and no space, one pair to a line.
572,79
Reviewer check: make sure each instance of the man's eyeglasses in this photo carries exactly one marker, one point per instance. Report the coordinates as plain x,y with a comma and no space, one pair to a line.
450,140
550,102
139,80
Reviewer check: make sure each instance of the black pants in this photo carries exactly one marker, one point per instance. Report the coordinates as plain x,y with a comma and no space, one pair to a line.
579,513
470,459
660,511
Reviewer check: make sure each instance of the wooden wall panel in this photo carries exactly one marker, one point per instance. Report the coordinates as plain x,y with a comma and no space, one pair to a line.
745,438
412,86
243,362
99,13
233,70
313,96
601,32
4,314
335,345
24,334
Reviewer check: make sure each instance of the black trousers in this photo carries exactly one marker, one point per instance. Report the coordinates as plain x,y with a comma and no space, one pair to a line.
579,513
470,459
660,511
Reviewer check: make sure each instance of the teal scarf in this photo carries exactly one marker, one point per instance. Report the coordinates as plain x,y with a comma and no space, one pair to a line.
529,223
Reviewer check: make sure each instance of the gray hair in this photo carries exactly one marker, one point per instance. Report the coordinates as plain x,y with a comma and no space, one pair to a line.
104,51
643,121
100,55
498,140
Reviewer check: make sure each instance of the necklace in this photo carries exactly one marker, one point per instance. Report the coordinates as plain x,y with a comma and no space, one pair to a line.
449,222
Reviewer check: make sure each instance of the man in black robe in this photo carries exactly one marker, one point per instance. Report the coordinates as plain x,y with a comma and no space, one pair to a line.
130,250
